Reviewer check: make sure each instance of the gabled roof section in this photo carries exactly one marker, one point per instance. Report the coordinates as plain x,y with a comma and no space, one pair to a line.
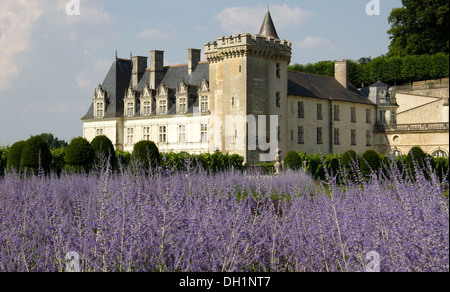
322,87
268,28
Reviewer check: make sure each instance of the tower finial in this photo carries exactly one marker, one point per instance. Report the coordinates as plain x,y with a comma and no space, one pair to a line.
268,28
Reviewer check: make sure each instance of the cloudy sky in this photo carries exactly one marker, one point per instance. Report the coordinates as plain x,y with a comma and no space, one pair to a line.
51,62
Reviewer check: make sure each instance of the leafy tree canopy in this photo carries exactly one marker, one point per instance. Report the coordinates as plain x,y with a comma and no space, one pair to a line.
54,142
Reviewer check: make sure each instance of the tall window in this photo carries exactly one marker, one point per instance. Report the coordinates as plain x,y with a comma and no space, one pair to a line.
99,110
162,134
99,132
368,116
278,72
147,108
163,107
319,136
183,105
146,133
204,132
301,110
393,118
301,135
319,111
279,134
336,137
383,117
353,115
368,138
130,109
205,103
353,135
130,136
336,113
182,133
278,100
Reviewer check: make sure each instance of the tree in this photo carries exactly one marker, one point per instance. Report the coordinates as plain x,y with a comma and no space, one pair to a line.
293,160
36,155
14,160
53,142
79,155
103,150
419,27
3,159
146,154
370,162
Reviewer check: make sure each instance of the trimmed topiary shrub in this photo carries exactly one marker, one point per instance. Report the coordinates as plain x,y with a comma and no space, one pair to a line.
146,155
416,154
36,154
370,161
103,151
79,155
293,160
349,158
236,162
14,159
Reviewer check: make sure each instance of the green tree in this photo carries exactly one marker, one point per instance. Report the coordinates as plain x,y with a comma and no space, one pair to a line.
53,142
419,27
36,154
146,154
79,155
370,162
3,159
103,150
14,160
293,160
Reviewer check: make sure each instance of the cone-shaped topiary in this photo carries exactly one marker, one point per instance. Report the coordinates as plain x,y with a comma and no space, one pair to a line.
14,159
103,150
349,158
370,161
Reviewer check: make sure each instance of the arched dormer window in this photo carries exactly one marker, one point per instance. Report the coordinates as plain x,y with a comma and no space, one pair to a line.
147,102
182,98
130,103
204,94
99,103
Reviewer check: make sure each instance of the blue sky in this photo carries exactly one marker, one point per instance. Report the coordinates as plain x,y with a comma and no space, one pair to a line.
50,62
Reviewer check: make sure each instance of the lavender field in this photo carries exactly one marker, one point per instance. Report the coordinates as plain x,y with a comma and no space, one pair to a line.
194,221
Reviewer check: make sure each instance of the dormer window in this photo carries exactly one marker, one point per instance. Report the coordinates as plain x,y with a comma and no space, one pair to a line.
146,102
163,107
130,103
204,102
183,105
146,108
100,110
99,103
130,109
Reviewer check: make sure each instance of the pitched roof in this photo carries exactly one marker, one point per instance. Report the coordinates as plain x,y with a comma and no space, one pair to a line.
322,87
268,28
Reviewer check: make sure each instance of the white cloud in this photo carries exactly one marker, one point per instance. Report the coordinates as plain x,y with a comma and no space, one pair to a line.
17,18
249,19
312,42
150,32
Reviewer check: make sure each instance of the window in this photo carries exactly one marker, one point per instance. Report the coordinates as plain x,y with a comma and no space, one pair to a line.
368,116
319,111
163,107
204,132
301,135
368,138
336,113
130,109
205,104
319,136
292,135
182,133
383,117
130,136
147,110
183,105
99,132
439,154
336,137
278,100
393,118
353,115
353,137
232,101
278,72
146,133
279,134
99,110
301,110
162,134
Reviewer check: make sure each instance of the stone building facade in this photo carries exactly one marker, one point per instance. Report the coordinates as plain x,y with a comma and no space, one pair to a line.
242,100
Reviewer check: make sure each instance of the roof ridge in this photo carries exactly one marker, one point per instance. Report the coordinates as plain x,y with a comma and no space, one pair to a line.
312,74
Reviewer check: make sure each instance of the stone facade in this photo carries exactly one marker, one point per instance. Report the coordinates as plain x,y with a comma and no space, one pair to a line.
244,100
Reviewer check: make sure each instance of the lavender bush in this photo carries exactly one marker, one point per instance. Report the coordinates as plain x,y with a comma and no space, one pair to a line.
192,221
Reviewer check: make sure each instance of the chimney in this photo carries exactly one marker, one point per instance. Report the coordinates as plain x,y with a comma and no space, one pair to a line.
194,59
341,72
156,68
139,67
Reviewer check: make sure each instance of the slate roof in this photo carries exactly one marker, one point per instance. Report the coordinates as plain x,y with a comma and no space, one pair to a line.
322,87
268,28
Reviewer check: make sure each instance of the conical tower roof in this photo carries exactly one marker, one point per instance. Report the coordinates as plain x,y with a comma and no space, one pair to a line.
268,28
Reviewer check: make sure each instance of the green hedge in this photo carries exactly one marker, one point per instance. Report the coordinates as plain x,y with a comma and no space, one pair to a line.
79,155
36,155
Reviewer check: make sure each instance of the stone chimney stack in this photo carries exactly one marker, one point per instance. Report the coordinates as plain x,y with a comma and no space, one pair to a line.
194,58
341,72
156,68
139,67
